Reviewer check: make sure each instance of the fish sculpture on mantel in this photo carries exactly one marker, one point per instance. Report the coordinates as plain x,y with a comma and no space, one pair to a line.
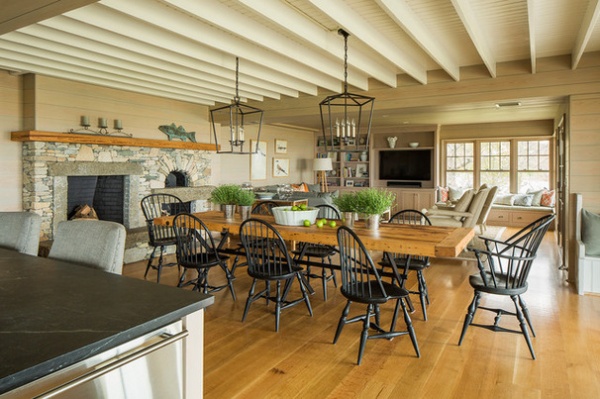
178,132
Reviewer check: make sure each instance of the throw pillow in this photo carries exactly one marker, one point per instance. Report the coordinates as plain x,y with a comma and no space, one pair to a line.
505,199
590,232
537,196
442,194
547,198
455,193
300,187
523,199
314,187
463,203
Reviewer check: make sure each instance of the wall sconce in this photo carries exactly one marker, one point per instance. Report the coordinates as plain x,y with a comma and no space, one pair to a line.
244,122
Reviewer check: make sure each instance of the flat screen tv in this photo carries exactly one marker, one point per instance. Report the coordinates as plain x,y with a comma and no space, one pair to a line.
409,165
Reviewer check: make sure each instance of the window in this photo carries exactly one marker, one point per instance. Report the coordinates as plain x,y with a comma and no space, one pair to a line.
514,165
460,164
533,165
495,164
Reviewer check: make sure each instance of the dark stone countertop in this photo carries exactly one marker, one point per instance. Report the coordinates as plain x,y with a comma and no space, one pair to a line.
54,314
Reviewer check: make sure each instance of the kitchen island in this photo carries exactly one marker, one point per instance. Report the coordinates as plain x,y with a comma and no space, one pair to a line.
61,322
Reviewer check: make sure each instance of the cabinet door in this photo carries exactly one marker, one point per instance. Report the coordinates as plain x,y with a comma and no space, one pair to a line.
417,199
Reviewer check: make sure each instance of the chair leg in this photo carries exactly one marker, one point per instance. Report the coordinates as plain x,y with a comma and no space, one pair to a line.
150,262
278,303
411,330
365,333
470,314
160,264
424,296
304,294
526,314
342,321
249,300
523,324
230,279
324,278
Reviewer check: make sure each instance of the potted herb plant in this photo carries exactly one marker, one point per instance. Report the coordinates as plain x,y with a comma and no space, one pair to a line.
346,204
227,196
244,202
373,202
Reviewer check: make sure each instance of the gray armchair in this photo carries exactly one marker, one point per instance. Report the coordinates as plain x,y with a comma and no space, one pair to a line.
20,231
96,243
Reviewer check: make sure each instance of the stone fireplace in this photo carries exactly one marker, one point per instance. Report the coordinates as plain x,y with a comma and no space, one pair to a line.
48,165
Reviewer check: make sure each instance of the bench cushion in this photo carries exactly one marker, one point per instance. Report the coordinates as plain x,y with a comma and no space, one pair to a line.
590,232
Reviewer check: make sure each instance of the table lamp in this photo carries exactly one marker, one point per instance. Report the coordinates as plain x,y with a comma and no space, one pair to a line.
322,165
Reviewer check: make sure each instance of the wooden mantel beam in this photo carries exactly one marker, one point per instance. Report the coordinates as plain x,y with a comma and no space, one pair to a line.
75,138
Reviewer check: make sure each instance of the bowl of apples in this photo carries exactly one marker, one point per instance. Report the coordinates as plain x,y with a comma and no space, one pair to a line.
295,215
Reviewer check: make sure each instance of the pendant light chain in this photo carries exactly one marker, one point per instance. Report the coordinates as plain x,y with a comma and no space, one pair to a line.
237,84
345,34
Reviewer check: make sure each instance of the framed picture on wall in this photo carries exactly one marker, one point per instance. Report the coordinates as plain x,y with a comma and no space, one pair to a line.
281,167
349,183
280,146
258,161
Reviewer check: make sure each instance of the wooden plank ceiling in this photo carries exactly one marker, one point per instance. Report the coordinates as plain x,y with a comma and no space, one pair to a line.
186,50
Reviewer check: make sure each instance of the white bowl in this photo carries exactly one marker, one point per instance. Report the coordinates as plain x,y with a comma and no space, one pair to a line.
413,144
264,195
285,216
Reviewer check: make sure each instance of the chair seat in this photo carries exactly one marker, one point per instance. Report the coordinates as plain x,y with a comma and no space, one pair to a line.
159,242
500,287
208,261
415,263
393,291
315,250
272,276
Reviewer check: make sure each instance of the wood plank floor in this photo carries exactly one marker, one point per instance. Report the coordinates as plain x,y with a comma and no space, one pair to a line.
251,360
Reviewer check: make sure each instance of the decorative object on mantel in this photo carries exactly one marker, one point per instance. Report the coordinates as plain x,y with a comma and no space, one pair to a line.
178,132
244,122
413,144
346,116
102,127
392,141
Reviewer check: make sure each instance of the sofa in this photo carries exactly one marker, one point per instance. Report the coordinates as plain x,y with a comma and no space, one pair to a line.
311,192
587,248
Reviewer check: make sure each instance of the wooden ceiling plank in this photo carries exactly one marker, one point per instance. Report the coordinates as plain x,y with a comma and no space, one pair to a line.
289,19
404,16
141,19
353,23
469,20
532,29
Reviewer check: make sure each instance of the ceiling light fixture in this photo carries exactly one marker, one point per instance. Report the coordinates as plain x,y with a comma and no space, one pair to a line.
346,117
508,104
244,122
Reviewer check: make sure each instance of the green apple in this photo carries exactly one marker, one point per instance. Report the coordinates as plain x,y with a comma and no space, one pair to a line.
332,223
320,223
295,208
306,223
302,207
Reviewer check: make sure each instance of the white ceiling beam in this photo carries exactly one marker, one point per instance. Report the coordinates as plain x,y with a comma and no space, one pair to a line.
11,64
469,20
307,30
220,15
83,71
111,60
404,16
134,18
585,32
83,64
532,44
353,23
79,34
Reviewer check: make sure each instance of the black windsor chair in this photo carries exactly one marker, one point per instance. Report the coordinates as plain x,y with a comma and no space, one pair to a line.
411,262
504,267
269,260
361,283
160,237
196,249
308,251
264,208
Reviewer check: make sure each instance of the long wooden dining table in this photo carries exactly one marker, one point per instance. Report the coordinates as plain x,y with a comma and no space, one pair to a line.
434,241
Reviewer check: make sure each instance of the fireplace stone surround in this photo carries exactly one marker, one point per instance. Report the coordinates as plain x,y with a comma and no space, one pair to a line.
47,165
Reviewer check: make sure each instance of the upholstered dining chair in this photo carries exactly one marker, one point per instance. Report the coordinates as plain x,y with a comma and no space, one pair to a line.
196,250
20,231
269,260
160,237
406,263
322,252
361,283
95,243
504,267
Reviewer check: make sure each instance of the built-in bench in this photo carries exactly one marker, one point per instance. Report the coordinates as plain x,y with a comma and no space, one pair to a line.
517,216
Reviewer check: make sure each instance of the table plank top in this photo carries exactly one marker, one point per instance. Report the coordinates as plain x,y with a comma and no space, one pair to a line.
435,241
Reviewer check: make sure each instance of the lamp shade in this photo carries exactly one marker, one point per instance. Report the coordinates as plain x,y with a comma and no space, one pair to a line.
320,164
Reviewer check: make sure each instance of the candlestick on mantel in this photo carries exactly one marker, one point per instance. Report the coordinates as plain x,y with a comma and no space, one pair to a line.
102,123
85,121
118,124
